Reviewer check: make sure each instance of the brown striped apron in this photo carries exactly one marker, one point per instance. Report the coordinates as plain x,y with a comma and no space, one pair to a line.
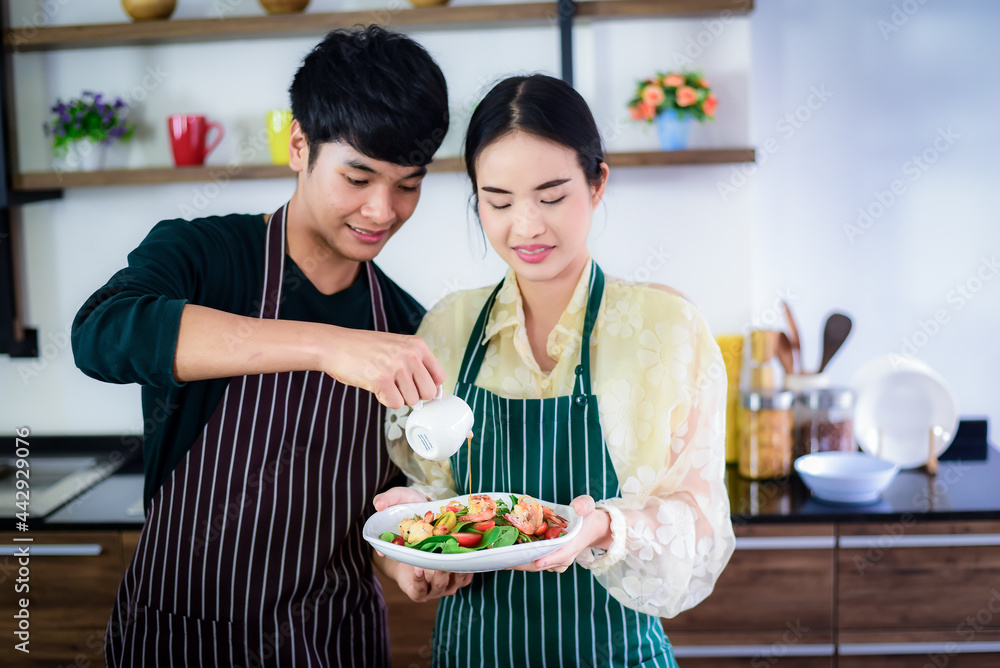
252,554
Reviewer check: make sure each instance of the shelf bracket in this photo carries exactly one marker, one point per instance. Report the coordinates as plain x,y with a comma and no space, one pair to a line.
567,11
15,339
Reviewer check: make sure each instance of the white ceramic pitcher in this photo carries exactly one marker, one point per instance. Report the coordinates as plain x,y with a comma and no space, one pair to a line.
436,429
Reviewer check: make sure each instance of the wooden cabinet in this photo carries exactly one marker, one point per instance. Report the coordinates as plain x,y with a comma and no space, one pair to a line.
71,595
865,595
923,592
987,660
72,580
853,595
410,627
759,660
773,605
918,649
130,540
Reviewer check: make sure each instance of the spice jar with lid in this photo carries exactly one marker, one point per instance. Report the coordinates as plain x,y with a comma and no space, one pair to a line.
765,434
823,415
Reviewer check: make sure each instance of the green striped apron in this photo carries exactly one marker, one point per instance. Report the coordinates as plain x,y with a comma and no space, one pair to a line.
553,450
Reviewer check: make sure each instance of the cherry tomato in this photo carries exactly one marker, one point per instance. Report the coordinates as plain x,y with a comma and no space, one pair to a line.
554,532
542,529
468,539
484,526
452,508
398,540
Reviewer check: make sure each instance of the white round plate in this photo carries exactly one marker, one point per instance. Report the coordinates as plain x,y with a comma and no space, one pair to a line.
483,561
885,365
904,404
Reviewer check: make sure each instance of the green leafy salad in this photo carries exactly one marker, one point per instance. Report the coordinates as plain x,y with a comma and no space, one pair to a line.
482,524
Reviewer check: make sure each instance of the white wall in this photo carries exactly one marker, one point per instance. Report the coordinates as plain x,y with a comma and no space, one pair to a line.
779,230
906,82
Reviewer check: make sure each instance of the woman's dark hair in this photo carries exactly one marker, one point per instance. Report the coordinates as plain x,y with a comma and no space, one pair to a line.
539,105
378,91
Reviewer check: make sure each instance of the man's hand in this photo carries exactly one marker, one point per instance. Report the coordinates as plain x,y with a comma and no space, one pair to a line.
397,495
398,369
425,585
394,497
419,584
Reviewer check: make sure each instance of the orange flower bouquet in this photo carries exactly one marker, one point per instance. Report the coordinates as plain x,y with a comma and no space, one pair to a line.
687,93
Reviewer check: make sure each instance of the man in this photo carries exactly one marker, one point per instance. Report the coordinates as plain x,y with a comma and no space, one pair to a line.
267,347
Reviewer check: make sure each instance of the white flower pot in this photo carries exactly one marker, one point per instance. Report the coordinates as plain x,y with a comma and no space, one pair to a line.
84,155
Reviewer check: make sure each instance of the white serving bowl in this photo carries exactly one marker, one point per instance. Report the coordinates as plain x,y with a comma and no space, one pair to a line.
845,477
483,561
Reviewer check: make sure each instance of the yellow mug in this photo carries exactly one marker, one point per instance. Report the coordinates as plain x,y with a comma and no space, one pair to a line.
279,123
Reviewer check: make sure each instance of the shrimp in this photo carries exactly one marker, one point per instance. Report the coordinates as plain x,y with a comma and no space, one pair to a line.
553,519
414,530
481,507
526,515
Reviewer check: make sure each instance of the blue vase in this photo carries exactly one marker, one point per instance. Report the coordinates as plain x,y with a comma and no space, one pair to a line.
673,131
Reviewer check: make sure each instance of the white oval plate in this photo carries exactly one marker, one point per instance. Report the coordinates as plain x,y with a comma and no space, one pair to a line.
905,405
483,561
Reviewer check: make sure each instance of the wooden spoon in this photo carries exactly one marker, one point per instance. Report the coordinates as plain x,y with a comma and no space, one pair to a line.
785,353
793,338
838,327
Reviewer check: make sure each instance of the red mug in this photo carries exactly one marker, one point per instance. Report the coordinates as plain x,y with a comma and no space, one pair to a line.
187,138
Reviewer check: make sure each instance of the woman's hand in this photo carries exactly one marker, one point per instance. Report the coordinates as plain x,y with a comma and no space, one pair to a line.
425,585
595,532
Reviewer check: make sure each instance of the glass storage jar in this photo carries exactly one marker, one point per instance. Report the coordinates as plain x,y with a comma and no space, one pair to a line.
822,414
765,434
823,421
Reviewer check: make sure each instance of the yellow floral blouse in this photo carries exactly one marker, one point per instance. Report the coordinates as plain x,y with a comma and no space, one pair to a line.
661,388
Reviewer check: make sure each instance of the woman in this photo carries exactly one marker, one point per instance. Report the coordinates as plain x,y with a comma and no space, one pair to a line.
584,387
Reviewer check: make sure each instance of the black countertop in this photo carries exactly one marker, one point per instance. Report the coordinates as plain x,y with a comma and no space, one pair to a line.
961,490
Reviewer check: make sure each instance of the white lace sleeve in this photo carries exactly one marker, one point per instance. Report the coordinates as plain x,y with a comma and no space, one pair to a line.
671,529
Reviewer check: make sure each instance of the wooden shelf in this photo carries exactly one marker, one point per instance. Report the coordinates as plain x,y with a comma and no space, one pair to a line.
256,27
35,181
294,25
30,181
704,156
626,9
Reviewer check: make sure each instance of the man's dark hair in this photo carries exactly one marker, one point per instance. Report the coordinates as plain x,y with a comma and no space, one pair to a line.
376,90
